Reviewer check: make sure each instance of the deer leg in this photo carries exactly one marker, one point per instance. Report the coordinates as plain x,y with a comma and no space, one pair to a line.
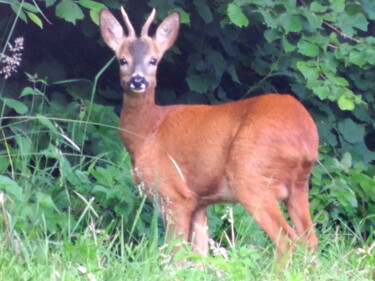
298,209
177,218
199,231
267,214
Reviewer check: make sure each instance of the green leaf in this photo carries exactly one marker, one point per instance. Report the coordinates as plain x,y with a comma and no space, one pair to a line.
236,15
268,19
351,131
271,35
290,23
307,48
18,106
46,122
92,5
338,6
29,7
35,19
357,57
286,45
367,184
314,21
69,11
45,200
349,22
369,8
203,10
94,15
185,17
27,91
343,193
346,103
317,7
49,2
11,188
197,83
233,73
322,92
309,72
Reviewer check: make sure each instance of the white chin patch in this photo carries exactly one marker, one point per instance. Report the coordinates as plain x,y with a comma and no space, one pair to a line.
138,90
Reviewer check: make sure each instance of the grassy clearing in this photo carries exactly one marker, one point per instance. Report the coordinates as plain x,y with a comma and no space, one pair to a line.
100,255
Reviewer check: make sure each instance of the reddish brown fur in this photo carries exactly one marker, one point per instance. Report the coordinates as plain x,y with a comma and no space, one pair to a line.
256,151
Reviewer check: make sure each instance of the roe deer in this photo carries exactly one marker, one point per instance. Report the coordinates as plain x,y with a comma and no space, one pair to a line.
255,151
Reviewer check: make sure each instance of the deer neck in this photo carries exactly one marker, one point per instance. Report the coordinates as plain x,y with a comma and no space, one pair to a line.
139,120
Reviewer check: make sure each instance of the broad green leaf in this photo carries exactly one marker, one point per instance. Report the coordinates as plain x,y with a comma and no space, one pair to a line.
236,15
22,15
185,17
69,11
346,161
29,7
290,23
92,5
286,45
357,57
50,2
268,19
343,193
4,163
369,8
307,48
18,106
317,7
351,131
46,122
271,35
314,20
94,15
338,6
349,22
27,91
35,19
346,103
204,10
322,92
309,72
367,184
11,188
45,200
233,74
197,83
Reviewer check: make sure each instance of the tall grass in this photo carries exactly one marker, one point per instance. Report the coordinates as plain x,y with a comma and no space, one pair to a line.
102,254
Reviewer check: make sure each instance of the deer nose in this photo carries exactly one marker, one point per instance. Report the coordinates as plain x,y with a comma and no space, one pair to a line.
138,83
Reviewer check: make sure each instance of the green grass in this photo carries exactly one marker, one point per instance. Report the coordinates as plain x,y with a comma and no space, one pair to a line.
100,255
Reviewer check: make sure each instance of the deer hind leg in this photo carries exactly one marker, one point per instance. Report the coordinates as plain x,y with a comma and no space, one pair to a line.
298,208
199,231
262,203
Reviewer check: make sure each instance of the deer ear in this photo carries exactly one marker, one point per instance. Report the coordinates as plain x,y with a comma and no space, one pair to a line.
167,32
111,29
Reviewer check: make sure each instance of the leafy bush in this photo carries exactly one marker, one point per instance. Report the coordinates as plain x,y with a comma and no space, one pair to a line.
61,160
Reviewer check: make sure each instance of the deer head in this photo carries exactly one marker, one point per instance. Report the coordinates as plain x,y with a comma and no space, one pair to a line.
138,56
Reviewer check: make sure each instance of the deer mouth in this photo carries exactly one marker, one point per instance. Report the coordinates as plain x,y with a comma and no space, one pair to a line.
138,84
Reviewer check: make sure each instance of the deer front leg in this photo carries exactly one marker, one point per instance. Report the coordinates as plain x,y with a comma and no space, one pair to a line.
199,231
177,217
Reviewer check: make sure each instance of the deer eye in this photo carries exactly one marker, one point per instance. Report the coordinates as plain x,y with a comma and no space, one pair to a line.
153,61
123,61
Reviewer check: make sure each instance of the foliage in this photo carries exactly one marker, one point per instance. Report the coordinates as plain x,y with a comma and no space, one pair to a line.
98,255
62,164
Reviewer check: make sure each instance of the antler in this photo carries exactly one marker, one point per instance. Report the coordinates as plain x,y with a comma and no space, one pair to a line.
128,24
147,24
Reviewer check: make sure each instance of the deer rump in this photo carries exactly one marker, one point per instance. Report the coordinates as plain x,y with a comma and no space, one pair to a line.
256,151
